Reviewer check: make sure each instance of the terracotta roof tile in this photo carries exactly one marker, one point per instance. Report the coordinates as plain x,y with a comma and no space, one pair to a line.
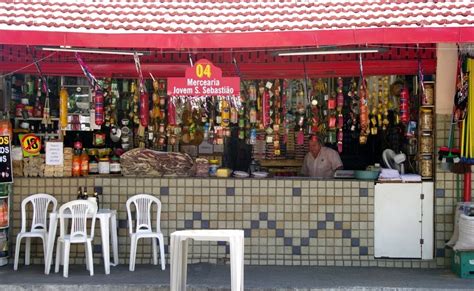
183,16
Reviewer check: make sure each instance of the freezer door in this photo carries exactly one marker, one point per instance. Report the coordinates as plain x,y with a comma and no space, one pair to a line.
398,220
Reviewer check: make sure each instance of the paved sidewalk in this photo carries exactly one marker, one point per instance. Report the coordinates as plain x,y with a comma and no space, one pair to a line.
217,277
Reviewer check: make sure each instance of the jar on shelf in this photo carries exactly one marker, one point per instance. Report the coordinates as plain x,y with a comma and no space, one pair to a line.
426,166
428,94
426,119
115,167
104,165
426,143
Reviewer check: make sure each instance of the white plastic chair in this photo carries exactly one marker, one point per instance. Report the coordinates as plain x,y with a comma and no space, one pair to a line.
77,211
143,205
40,203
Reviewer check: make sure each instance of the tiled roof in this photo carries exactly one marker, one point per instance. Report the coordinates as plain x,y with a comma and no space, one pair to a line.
180,17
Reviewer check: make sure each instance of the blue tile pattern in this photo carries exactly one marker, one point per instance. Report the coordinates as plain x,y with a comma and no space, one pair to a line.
296,191
271,224
439,193
288,241
263,216
363,251
337,225
122,223
329,216
97,249
355,242
188,224
197,215
346,233
364,192
230,191
321,224
280,233
304,241
99,190
164,191
255,224
247,232
296,250
440,253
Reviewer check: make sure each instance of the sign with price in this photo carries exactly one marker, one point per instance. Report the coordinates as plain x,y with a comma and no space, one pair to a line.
6,175
204,79
31,144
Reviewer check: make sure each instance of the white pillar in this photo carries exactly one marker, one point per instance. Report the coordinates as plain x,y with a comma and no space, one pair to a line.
446,68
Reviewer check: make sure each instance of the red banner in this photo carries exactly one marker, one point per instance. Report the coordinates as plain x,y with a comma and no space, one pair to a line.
204,79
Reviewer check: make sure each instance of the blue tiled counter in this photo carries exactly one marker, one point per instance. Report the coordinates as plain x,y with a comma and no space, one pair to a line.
293,221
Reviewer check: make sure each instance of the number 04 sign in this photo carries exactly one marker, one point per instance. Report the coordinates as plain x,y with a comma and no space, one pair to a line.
6,175
204,79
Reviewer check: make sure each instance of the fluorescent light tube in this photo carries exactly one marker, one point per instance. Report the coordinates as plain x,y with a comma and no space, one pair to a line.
329,52
93,51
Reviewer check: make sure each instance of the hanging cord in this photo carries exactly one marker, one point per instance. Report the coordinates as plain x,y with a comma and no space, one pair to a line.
141,85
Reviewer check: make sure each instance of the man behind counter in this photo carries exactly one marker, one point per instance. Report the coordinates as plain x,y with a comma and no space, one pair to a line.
321,161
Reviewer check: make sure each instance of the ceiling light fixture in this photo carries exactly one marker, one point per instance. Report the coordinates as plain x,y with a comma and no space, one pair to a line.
94,51
326,51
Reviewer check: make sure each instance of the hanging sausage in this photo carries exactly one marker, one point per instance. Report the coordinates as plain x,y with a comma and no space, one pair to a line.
99,107
63,98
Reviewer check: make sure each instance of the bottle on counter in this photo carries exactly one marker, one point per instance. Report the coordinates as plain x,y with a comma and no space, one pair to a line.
84,164
85,196
79,193
96,197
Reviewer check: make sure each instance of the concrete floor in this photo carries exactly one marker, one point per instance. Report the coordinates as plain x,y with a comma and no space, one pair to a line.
217,277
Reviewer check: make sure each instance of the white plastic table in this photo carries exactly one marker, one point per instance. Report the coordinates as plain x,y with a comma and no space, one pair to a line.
108,221
179,253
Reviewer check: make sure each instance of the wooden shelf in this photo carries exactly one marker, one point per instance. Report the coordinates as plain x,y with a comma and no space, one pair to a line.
35,118
281,163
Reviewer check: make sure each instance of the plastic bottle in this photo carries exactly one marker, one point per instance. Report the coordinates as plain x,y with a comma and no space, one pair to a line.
76,165
84,164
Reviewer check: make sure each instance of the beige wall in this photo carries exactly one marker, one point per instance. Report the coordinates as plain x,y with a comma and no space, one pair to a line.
445,77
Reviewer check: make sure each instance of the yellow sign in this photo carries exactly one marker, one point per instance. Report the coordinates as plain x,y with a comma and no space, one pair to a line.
31,144
203,70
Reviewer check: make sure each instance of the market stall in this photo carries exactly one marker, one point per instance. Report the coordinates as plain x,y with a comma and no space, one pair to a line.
219,127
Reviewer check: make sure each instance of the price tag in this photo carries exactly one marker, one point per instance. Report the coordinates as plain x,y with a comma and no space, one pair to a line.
269,85
31,144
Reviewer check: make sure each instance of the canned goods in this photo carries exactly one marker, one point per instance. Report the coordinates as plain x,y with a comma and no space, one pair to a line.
426,119
426,166
426,144
428,94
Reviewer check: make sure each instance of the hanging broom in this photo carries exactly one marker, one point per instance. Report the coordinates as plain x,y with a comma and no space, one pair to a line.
467,134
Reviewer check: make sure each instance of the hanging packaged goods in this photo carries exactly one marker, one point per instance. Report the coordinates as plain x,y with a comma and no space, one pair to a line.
212,117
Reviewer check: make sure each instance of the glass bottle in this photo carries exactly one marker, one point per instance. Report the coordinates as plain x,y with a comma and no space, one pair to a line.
79,193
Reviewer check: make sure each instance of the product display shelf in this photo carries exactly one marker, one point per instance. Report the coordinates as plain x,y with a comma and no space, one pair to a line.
426,132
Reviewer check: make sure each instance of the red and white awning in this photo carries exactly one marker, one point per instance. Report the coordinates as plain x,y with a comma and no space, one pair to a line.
227,24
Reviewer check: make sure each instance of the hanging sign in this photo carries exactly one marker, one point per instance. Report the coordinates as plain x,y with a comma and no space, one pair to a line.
204,79
31,144
6,175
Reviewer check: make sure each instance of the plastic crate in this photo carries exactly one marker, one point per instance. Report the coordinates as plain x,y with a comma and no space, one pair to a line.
463,264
